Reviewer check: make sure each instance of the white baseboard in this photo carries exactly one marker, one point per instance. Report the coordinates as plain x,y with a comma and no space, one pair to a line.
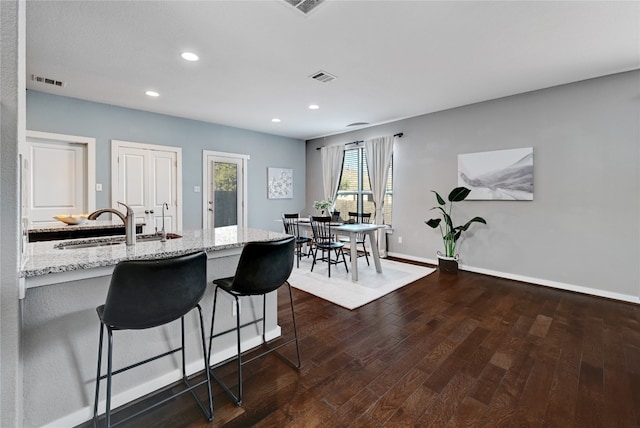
86,413
537,281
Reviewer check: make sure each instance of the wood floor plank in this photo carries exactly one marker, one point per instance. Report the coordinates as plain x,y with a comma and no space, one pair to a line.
386,405
618,396
562,399
590,409
487,384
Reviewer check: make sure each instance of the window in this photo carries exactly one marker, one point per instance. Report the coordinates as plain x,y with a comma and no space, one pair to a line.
354,193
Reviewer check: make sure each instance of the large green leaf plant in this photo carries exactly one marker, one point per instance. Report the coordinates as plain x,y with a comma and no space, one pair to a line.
450,233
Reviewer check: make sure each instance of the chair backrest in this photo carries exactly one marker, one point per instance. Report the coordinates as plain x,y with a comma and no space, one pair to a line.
360,217
264,266
321,228
148,293
335,216
290,223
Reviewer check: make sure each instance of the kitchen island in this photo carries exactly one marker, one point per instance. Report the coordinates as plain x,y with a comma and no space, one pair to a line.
61,289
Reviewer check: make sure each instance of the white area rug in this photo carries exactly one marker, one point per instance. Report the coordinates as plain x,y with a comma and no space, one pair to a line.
340,290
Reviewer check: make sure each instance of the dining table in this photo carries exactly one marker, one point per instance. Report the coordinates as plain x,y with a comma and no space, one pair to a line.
352,230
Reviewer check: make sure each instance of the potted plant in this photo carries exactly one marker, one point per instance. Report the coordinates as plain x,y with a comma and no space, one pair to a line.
323,205
448,262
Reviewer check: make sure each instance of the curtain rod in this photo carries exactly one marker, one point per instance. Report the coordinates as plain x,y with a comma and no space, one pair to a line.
399,135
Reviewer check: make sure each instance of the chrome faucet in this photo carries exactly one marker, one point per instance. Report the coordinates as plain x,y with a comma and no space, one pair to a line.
129,221
163,232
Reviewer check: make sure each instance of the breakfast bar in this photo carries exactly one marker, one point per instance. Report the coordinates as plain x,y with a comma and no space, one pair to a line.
61,286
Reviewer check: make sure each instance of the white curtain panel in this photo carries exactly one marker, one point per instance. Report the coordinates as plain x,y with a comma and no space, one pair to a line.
378,152
332,157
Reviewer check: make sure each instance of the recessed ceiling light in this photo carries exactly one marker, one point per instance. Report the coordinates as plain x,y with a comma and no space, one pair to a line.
275,120
152,93
314,106
189,56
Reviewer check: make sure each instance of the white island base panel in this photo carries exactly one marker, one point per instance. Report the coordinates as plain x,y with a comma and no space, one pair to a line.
60,342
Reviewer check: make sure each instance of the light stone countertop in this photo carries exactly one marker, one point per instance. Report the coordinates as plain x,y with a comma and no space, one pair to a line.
44,259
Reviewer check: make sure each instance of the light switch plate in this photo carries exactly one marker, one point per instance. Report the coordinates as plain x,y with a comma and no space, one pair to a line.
98,187
196,189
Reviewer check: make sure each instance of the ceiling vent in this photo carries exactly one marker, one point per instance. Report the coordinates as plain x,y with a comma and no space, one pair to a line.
323,76
47,81
304,6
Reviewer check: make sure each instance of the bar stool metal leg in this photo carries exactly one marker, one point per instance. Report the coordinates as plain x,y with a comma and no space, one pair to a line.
99,371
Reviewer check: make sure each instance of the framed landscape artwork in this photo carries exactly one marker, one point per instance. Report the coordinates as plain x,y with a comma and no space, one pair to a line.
279,183
497,175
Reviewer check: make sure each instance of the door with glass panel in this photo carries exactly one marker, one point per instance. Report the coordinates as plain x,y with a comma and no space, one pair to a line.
225,190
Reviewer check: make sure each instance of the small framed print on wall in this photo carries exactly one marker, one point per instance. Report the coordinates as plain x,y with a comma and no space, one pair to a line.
279,183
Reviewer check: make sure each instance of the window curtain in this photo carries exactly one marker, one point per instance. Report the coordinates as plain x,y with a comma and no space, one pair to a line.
378,152
332,158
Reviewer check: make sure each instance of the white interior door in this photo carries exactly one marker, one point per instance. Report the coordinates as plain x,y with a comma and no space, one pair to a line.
60,177
224,190
147,179
163,182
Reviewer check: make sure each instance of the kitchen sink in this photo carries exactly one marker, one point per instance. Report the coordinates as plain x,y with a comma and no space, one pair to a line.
115,240
72,245
156,237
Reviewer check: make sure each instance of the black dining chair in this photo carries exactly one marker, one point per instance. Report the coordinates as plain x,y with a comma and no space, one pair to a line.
290,222
365,218
324,240
263,268
149,293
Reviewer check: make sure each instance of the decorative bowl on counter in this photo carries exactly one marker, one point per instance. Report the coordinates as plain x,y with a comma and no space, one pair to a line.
72,218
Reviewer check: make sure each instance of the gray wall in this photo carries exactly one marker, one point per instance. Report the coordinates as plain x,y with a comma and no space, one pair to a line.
581,229
51,113
12,120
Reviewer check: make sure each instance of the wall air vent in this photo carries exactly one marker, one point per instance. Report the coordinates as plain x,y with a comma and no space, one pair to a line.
47,81
323,76
304,6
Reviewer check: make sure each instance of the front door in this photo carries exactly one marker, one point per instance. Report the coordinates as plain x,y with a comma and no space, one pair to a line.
225,190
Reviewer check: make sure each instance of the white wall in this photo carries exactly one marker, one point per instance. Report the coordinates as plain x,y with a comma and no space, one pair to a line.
580,232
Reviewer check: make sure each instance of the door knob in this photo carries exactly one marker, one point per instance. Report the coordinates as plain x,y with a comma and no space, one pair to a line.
146,211
150,211
210,210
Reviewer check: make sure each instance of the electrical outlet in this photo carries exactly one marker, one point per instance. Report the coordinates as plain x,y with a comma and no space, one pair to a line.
399,239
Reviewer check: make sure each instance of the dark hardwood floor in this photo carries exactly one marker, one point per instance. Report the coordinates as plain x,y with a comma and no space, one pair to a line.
446,351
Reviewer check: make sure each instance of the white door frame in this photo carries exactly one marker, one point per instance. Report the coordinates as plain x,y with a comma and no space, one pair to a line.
115,147
90,146
205,183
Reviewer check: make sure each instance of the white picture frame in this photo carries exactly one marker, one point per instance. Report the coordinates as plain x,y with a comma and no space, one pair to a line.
279,183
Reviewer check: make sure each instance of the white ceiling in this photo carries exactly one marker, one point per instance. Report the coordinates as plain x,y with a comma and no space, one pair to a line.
392,59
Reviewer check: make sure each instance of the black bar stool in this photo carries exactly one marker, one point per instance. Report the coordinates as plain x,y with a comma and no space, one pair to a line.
263,268
149,293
